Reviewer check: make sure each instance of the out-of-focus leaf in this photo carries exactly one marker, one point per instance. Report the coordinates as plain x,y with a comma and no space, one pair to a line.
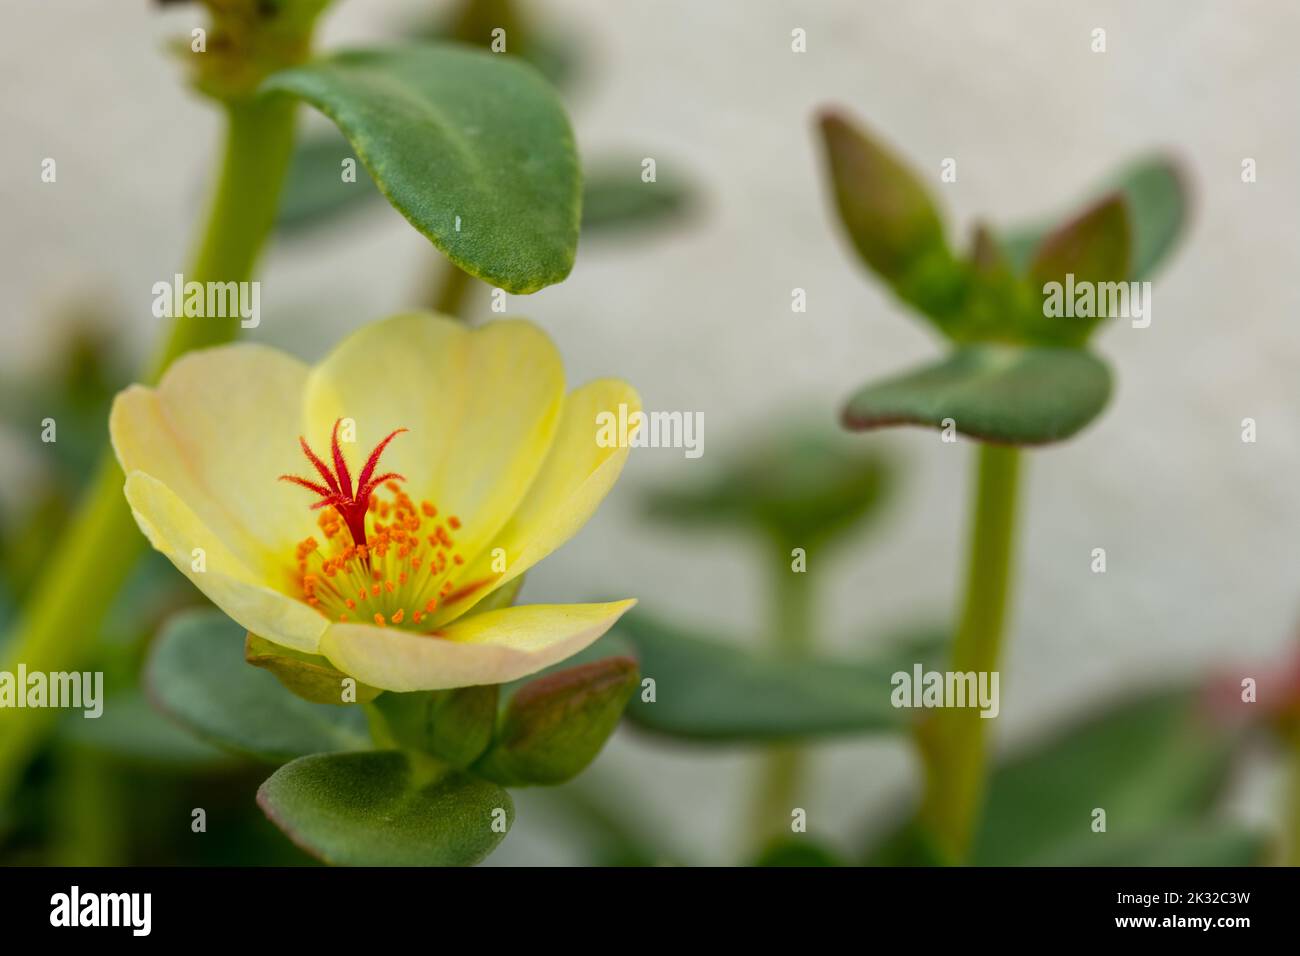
473,149
1158,200
1155,766
131,731
196,675
798,851
550,50
309,676
553,727
717,692
614,198
314,189
385,808
893,223
799,482
1005,394
1200,842
1084,253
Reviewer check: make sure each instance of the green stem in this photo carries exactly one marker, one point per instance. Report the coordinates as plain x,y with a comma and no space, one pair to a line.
91,561
1291,856
953,741
91,814
454,286
777,790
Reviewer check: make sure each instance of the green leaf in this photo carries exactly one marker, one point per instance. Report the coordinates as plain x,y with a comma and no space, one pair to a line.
455,726
473,21
472,148
1157,197
1152,764
309,676
891,219
798,481
614,198
1092,248
797,851
1158,201
385,808
135,734
1199,842
314,189
1017,396
554,726
197,676
714,692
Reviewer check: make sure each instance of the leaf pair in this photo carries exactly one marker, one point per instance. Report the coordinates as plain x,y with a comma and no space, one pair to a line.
1019,373
546,731
436,797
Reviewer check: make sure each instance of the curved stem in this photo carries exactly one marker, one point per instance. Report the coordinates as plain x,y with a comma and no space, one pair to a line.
777,790
91,561
953,741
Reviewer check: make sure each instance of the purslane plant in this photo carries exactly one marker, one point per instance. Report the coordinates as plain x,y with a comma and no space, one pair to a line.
480,466
474,150
1016,376
385,577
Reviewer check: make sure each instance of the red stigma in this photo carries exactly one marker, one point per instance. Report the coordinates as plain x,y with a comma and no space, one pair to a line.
337,490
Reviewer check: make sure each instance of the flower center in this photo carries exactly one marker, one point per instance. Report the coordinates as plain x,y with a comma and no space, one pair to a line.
385,559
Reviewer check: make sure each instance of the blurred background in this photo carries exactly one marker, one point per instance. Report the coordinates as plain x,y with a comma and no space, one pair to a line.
1199,527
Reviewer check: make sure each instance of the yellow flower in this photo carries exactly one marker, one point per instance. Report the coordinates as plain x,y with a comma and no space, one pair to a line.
481,467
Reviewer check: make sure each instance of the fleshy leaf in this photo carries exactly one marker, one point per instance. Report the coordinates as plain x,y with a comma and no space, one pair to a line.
1155,765
309,676
1092,248
1007,394
197,676
800,482
314,189
455,726
386,808
472,148
891,220
1158,200
615,199
554,726
711,691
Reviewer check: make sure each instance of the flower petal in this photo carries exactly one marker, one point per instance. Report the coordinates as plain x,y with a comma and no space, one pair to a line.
173,528
481,407
488,648
577,475
219,430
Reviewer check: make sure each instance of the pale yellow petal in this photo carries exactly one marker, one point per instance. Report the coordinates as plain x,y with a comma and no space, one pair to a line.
488,648
579,471
173,528
219,430
481,407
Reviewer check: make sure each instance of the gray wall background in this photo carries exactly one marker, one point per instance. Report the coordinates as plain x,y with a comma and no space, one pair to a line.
1200,528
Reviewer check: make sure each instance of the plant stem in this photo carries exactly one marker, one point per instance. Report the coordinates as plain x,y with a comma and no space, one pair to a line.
92,560
953,741
777,790
454,286
1291,855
